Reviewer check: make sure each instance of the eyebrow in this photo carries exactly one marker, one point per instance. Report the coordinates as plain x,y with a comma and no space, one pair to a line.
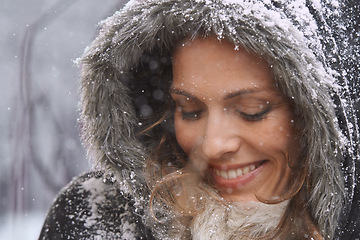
242,92
182,92
228,96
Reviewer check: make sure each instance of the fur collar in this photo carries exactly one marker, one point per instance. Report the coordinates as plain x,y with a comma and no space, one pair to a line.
237,221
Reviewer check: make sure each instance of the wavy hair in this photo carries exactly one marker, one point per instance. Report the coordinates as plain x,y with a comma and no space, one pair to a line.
175,184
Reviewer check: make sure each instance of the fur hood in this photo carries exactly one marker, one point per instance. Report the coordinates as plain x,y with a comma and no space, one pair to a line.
297,38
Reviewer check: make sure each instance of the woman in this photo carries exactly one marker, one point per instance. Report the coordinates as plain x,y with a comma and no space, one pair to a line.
214,120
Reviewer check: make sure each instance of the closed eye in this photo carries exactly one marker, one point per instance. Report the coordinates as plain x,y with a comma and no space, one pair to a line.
254,117
191,116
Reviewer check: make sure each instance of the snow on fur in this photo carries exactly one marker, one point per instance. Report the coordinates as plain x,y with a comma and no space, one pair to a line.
285,35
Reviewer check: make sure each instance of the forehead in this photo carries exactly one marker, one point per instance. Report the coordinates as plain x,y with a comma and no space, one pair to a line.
208,66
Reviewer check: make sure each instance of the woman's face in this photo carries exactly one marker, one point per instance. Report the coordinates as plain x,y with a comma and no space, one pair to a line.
230,119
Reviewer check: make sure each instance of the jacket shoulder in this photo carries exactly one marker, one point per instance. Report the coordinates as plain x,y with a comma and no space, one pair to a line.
92,207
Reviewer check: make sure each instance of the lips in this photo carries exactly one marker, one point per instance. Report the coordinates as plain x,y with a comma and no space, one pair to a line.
236,177
234,173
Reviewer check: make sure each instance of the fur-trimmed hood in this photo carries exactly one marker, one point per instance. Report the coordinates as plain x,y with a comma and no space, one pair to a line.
299,39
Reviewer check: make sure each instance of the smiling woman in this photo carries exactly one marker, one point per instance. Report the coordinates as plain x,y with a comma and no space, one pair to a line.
231,132
215,120
228,115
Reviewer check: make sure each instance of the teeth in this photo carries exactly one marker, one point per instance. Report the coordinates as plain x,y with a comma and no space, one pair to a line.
234,173
224,174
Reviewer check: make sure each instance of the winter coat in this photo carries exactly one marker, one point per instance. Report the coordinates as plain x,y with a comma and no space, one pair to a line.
92,207
303,41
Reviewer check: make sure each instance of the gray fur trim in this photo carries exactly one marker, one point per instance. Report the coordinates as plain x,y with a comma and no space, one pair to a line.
290,46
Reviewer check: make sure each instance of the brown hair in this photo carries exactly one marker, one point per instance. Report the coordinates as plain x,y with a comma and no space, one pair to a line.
175,184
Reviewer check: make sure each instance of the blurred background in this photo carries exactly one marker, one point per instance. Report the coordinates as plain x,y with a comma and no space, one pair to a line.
40,151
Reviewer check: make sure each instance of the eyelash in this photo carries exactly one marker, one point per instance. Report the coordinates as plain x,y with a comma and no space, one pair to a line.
254,117
191,116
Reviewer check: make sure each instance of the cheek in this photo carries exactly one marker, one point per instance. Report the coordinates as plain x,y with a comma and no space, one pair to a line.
278,137
184,136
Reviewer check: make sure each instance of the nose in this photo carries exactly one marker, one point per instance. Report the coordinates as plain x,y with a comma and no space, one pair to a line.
221,137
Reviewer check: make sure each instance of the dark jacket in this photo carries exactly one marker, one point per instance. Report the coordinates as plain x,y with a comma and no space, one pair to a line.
306,44
92,207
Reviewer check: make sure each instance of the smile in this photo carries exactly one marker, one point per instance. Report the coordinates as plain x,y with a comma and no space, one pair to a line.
236,177
234,173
